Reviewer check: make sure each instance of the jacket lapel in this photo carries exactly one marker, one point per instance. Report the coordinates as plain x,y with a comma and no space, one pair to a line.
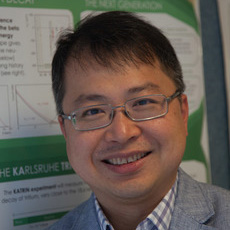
192,209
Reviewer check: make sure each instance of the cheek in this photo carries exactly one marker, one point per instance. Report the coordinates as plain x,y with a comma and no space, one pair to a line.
77,147
175,140
80,150
159,130
168,135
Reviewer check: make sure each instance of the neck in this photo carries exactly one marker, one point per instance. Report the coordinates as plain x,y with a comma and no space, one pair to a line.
126,214
127,208
127,217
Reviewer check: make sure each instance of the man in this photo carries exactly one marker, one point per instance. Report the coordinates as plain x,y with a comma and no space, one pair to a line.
118,88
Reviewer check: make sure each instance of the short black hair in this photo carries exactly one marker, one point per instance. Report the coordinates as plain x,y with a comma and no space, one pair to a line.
113,40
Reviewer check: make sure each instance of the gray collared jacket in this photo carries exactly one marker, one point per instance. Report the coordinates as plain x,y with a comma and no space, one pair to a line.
197,206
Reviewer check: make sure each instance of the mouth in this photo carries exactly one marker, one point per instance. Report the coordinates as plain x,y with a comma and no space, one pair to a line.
122,161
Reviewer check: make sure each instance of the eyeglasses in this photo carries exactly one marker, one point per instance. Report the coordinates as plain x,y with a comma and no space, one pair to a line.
137,109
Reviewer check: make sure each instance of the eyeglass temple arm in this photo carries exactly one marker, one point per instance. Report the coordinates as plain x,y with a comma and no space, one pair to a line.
176,94
65,117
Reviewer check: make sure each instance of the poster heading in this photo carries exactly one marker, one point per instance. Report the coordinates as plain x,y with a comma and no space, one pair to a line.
124,5
22,2
28,171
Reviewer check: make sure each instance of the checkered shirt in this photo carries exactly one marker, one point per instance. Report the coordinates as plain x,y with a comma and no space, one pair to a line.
159,219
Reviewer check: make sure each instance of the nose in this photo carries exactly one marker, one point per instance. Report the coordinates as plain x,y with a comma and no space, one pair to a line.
122,128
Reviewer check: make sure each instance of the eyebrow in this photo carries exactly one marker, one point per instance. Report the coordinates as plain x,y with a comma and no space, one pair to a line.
90,97
146,86
99,97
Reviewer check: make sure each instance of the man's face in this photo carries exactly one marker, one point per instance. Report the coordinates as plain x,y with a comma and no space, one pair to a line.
160,142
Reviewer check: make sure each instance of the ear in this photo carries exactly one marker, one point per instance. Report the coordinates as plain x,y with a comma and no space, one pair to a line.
62,125
185,111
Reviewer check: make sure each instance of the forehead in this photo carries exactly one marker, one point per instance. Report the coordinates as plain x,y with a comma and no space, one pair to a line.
130,79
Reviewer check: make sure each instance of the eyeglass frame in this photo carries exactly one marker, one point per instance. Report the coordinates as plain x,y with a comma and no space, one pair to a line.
168,100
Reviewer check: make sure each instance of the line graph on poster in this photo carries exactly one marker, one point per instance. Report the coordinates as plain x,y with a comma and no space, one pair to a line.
4,107
35,105
46,30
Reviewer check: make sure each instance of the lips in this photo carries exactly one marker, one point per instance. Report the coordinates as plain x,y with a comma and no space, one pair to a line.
122,160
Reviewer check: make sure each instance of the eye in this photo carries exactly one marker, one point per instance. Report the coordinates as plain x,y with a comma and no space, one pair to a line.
92,112
144,101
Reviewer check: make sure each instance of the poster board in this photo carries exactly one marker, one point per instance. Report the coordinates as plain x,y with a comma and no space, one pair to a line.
37,183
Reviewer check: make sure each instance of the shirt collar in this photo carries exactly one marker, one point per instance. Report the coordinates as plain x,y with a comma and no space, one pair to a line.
158,219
